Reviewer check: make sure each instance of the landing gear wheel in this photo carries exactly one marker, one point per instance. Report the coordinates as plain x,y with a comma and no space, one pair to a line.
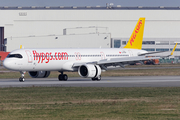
96,78
93,79
65,77
21,79
62,77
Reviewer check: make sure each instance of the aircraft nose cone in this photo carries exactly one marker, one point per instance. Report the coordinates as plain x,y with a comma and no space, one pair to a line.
7,64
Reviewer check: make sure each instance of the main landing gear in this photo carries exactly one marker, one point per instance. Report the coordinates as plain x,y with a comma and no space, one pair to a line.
62,77
96,78
22,79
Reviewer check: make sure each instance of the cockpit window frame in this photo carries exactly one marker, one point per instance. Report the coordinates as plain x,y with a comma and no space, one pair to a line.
14,56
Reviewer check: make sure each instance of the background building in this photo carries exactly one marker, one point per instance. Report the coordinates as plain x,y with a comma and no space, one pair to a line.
74,27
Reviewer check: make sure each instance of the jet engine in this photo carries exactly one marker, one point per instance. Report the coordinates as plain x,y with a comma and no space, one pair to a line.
39,74
89,71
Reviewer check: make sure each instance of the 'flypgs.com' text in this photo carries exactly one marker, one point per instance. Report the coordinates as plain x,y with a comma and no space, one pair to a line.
48,56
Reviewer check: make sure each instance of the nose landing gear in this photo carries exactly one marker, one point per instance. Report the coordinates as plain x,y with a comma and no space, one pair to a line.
22,79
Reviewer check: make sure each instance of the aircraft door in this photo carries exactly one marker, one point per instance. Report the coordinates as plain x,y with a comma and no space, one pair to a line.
30,64
102,56
78,56
29,56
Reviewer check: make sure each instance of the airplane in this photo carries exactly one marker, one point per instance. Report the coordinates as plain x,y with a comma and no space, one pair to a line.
89,63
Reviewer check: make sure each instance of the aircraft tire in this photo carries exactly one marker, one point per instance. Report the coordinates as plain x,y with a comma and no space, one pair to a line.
60,77
65,77
93,79
99,78
21,79
96,79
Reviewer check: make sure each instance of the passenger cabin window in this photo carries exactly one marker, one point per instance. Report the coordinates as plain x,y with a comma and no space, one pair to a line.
14,56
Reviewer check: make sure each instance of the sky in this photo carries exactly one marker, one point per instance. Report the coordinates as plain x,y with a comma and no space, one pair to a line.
78,3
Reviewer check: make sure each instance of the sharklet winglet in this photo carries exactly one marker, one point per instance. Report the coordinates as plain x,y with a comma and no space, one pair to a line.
174,49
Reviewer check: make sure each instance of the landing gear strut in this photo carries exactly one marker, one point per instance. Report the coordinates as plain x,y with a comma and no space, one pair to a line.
62,77
22,79
97,78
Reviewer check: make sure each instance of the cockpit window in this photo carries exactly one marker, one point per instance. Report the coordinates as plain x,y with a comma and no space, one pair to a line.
14,56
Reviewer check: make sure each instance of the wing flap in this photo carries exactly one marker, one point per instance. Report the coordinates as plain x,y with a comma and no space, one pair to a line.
125,59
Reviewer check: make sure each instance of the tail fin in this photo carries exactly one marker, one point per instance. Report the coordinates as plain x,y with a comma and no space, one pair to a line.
135,41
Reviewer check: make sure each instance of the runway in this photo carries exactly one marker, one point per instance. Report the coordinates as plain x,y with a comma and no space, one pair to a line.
128,81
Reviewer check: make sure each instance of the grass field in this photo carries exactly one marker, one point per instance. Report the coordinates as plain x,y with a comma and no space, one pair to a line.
88,103
61,103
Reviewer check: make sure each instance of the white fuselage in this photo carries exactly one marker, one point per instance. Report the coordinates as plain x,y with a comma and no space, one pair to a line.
62,59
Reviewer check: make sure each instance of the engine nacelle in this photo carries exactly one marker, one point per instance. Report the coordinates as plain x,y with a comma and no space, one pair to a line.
39,74
89,71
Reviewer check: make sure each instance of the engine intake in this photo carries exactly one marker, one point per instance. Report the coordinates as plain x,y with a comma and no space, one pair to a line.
89,71
39,74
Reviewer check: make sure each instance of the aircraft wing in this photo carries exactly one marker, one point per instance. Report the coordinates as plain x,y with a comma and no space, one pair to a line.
151,53
117,61
122,61
125,60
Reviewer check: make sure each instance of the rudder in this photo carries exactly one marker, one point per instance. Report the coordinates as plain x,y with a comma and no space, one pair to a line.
135,41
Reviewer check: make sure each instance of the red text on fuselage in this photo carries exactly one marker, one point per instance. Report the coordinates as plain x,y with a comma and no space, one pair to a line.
48,56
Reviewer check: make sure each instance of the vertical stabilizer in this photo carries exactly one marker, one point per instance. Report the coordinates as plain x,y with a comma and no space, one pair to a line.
135,41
